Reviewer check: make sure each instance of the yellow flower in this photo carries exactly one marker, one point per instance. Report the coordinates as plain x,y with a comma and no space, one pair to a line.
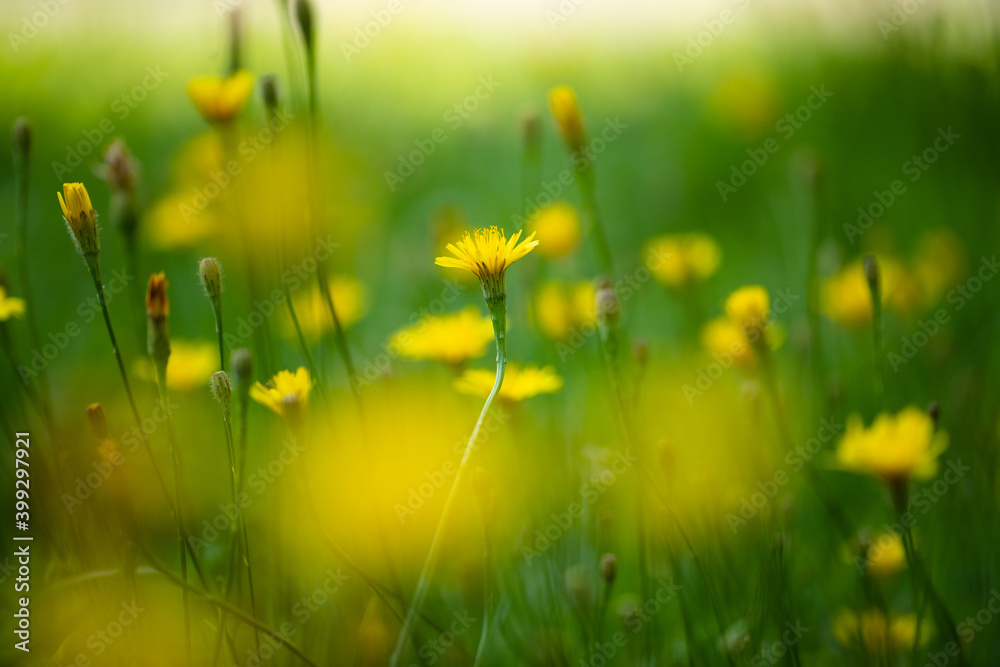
938,263
886,555
10,306
876,634
284,390
518,384
558,228
723,339
487,253
749,308
349,299
560,309
895,447
190,366
679,260
219,99
452,338
80,218
846,297
566,112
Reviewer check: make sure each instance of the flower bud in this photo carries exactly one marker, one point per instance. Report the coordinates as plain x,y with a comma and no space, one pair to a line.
269,92
566,113
609,568
241,362
98,421
119,168
81,219
21,135
607,304
211,279
304,17
157,310
934,410
222,390
640,352
872,274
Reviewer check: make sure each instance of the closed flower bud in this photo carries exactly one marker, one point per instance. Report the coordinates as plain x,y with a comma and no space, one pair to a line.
98,421
21,134
872,274
81,219
119,168
304,17
157,310
607,305
211,279
222,390
269,91
934,410
566,112
609,568
242,363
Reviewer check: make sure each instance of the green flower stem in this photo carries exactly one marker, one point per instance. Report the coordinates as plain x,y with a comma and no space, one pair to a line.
585,181
425,574
218,330
161,382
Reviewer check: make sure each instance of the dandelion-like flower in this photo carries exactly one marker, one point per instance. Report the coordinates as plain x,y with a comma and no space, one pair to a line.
894,448
284,390
749,308
558,228
220,99
680,260
846,296
10,306
453,338
885,555
81,219
563,310
519,382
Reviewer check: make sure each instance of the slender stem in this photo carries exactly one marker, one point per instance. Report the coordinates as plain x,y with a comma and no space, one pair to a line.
218,330
425,574
161,381
585,181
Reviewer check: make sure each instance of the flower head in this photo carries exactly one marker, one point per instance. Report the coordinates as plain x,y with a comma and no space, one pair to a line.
80,218
157,303
561,310
487,253
894,448
210,274
453,338
846,296
191,365
519,382
885,555
10,306
219,99
566,112
680,260
749,308
558,229
284,390
873,632
157,310
349,298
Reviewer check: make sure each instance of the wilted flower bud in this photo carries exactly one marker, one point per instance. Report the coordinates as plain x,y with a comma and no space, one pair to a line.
21,135
609,568
606,303
566,112
222,390
157,310
119,168
81,219
211,279
98,421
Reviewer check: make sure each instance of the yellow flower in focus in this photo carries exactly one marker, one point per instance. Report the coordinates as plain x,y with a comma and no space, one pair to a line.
220,99
80,218
558,229
487,253
749,308
566,112
284,390
349,299
895,447
453,338
519,382
190,366
560,309
679,260
10,306
886,555
875,633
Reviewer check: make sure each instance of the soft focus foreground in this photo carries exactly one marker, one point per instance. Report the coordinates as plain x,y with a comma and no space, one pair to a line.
747,411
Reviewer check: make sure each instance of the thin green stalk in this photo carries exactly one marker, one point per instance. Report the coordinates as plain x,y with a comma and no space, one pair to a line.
425,574
161,382
488,596
222,347
585,181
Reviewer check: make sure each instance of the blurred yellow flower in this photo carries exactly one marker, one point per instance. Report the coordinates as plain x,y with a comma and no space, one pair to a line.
487,253
10,306
749,308
558,229
886,555
220,99
747,101
174,222
452,338
876,634
722,338
682,259
846,298
283,391
938,264
519,382
895,447
561,308
349,298
566,112
190,366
